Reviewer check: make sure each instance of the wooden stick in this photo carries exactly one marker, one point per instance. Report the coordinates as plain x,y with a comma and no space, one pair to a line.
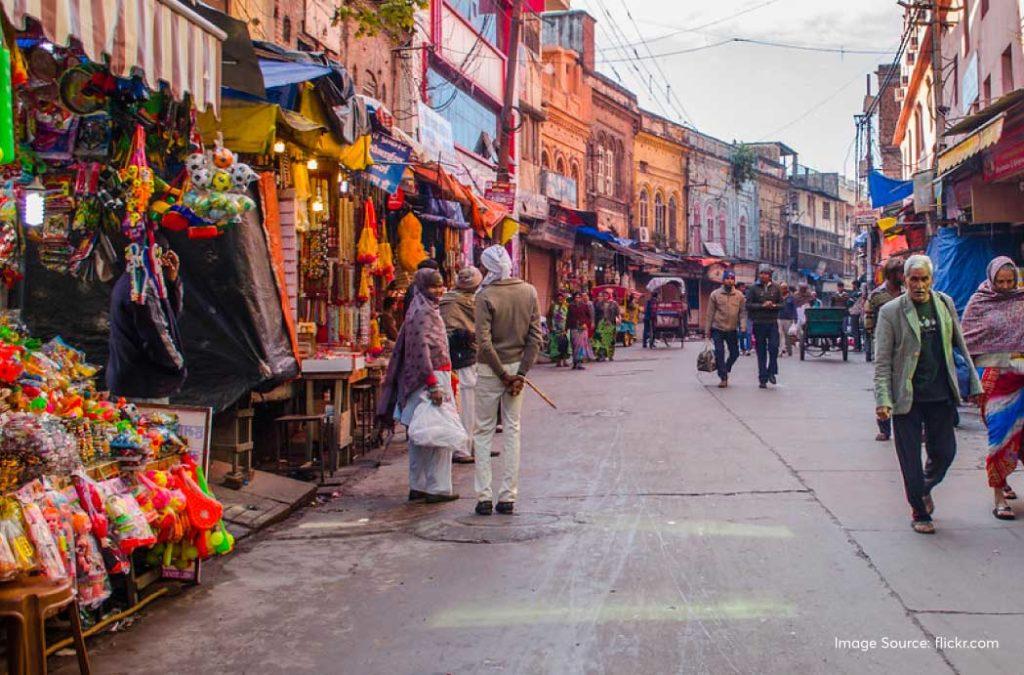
537,391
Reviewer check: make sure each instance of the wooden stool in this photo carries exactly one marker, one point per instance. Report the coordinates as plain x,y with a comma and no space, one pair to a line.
364,410
29,602
285,425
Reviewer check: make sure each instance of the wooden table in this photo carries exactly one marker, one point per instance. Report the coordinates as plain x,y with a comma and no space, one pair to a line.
340,374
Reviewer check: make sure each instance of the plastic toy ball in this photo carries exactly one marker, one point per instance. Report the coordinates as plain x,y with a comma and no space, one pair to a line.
223,158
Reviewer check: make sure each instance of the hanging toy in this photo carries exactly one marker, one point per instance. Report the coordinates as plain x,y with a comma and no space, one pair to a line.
6,108
241,176
366,249
223,158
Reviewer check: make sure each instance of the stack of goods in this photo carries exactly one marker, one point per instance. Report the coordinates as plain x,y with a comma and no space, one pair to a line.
56,518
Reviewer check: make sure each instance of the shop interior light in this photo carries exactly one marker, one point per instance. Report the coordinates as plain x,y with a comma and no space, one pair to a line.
278,147
318,203
312,164
35,204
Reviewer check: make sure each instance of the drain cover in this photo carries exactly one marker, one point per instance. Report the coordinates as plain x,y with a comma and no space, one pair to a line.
495,529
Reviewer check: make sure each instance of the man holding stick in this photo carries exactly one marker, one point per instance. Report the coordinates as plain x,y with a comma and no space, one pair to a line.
508,342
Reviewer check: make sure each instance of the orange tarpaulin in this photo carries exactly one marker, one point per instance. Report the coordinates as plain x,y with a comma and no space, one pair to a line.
272,231
893,245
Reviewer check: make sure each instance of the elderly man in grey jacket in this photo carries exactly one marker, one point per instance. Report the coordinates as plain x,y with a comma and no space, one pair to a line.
915,383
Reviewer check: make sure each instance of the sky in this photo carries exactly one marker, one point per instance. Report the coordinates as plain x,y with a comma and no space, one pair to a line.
750,92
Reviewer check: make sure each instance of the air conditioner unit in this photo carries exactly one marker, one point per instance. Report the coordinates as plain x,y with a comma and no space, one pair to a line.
645,235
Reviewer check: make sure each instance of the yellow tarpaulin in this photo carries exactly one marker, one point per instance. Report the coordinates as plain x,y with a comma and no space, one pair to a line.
509,229
886,224
247,126
355,157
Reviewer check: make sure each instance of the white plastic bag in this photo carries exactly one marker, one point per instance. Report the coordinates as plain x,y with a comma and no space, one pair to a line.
437,426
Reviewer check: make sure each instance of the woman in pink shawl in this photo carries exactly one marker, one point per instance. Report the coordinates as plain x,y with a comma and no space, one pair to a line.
420,373
994,332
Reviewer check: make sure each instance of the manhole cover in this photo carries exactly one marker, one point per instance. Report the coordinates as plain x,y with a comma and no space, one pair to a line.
495,529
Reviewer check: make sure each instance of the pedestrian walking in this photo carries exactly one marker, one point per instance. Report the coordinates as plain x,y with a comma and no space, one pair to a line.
840,299
650,319
419,373
787,318
764,300
579,331
803,296
915,383
630,317
745,329
888,291
994,333
458,312
607,313
508,338
559,349
858,302
723,319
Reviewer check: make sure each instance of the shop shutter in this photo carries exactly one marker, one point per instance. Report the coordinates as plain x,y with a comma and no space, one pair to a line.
540,271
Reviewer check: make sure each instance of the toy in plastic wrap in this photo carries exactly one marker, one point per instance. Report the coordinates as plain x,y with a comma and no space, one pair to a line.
129,528
12,530
10,241
32,445
55,509
91,501
138,181
91,579
47,552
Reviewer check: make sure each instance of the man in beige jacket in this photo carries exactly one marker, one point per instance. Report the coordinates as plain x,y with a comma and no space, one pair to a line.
508,342
723,321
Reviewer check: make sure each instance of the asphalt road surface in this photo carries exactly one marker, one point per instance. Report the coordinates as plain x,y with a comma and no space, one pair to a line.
664,526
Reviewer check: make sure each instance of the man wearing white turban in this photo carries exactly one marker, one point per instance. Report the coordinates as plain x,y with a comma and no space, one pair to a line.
508,342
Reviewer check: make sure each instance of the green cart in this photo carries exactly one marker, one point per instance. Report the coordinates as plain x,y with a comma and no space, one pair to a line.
824,329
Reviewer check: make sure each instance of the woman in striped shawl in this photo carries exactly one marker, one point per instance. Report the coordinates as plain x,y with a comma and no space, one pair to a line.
994,333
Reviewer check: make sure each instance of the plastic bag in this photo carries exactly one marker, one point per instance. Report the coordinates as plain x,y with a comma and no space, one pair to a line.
130,528
437,426
706,360
47,551
794,330
13,532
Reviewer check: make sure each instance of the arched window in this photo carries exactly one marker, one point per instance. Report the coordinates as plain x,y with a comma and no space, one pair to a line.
722,237
673,208
642,207
659,214
560,167
599,167
609,170
743,236
574,173
709,222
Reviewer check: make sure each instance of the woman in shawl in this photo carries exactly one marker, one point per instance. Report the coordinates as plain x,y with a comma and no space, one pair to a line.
579,322
607,314
994,333
419,373
558,331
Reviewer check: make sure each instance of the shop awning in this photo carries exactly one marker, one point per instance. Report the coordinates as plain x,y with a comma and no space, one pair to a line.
984,137
164,39
283,73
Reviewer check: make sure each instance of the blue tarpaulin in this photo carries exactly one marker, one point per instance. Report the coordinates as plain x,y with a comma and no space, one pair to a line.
884,191
283,73
861,240
960,264
594,233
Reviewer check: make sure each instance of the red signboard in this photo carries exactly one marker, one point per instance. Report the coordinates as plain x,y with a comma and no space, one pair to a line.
1006,158
502,193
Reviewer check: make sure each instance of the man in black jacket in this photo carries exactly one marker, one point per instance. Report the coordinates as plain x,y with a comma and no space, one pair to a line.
764,300
147,361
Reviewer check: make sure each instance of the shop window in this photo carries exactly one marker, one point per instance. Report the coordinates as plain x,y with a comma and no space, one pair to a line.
470,119
673,209
481,15
642,206
659,215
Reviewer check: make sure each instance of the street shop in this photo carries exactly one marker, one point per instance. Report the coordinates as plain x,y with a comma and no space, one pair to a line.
101,496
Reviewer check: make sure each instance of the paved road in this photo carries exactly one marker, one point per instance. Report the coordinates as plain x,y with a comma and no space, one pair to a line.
664,526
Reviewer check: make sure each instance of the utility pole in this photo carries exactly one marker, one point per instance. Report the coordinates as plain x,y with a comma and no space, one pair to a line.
870,268
511,68
932,214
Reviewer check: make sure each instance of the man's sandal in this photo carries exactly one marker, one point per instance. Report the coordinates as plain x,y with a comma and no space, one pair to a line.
1004,512
923,526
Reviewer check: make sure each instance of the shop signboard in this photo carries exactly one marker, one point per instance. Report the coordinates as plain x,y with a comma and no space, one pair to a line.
552,234
532,205
864,214
390,157
559,187
502,193
1006,158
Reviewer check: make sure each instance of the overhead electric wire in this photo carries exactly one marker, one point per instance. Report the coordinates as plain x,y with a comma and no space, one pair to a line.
814,107
762,43
697,29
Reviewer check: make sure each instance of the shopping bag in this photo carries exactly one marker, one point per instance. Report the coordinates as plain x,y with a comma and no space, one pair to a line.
794,331
706,360
437,426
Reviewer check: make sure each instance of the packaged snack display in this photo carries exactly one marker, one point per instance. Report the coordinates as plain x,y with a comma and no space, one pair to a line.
12,530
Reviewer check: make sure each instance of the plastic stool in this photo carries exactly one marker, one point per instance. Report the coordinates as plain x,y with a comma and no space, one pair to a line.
28,603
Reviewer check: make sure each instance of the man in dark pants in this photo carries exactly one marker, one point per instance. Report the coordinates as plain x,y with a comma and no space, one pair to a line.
764,300
650,309
915,383
723,319
887,292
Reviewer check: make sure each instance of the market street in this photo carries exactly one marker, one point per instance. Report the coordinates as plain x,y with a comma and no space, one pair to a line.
663,526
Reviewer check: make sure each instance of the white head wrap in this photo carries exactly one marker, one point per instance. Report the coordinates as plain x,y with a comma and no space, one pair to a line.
498,264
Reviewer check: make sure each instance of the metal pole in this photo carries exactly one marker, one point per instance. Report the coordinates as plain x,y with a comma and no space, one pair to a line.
940,110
